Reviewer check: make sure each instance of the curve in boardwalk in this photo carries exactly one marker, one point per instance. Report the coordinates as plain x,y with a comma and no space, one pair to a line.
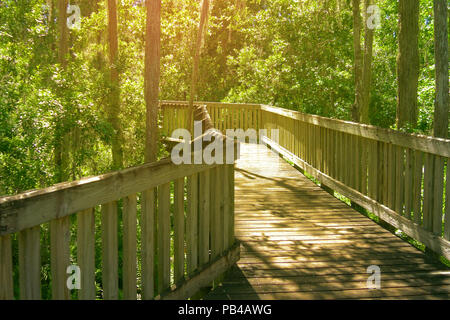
299,242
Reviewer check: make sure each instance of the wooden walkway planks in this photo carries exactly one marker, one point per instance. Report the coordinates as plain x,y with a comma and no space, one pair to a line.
299,242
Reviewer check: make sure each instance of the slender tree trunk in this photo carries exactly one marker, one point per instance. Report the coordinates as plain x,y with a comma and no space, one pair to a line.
62,140
358,59
195,67
114,98
441,109
63,48
367,65
152,76
408,64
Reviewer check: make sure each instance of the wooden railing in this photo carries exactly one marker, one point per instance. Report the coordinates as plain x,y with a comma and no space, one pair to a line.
400,177
176,220
224,115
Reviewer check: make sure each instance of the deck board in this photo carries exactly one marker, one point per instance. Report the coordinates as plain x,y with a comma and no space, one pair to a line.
299,242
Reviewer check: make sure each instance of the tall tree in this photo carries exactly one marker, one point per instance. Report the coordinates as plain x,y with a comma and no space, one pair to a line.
441,109
408,64
358,59
114,97
62,138
195,66
152,76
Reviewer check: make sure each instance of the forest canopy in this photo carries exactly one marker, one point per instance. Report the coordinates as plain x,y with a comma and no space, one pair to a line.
295,54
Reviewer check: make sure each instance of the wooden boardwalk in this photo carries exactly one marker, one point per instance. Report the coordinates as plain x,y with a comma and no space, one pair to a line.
299,242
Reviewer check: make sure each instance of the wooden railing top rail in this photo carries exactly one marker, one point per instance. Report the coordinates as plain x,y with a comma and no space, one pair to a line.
41,206
221,104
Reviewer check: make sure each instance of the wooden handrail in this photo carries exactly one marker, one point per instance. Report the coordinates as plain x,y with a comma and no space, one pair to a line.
36,207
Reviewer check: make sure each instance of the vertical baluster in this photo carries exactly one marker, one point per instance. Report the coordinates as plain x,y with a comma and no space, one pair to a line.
86,253
163,237
386,174
399,181
428,192
110,276
226,206
220,179
371,172
409,173
148,240
6,270
380,168
418,167
357,154
179,230
204,214
60,257
192,224
364,164
438,194
129,248
214,216
241,118
230,188
391,186
30,264
447,203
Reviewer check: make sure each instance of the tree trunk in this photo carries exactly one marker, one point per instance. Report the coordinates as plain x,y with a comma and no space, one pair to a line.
358,59
441,109
152,76
114,97
195,67
367,65
62,139
408,64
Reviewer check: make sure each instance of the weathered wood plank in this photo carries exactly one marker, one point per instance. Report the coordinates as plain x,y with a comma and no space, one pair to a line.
220,190
417,204
86,253
178,230
214,215
59,257
129,248
148,241
30,264
192,224
204,217
163,237
409,174
447,203
110,272
6,269
438,195
399,180
428,188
